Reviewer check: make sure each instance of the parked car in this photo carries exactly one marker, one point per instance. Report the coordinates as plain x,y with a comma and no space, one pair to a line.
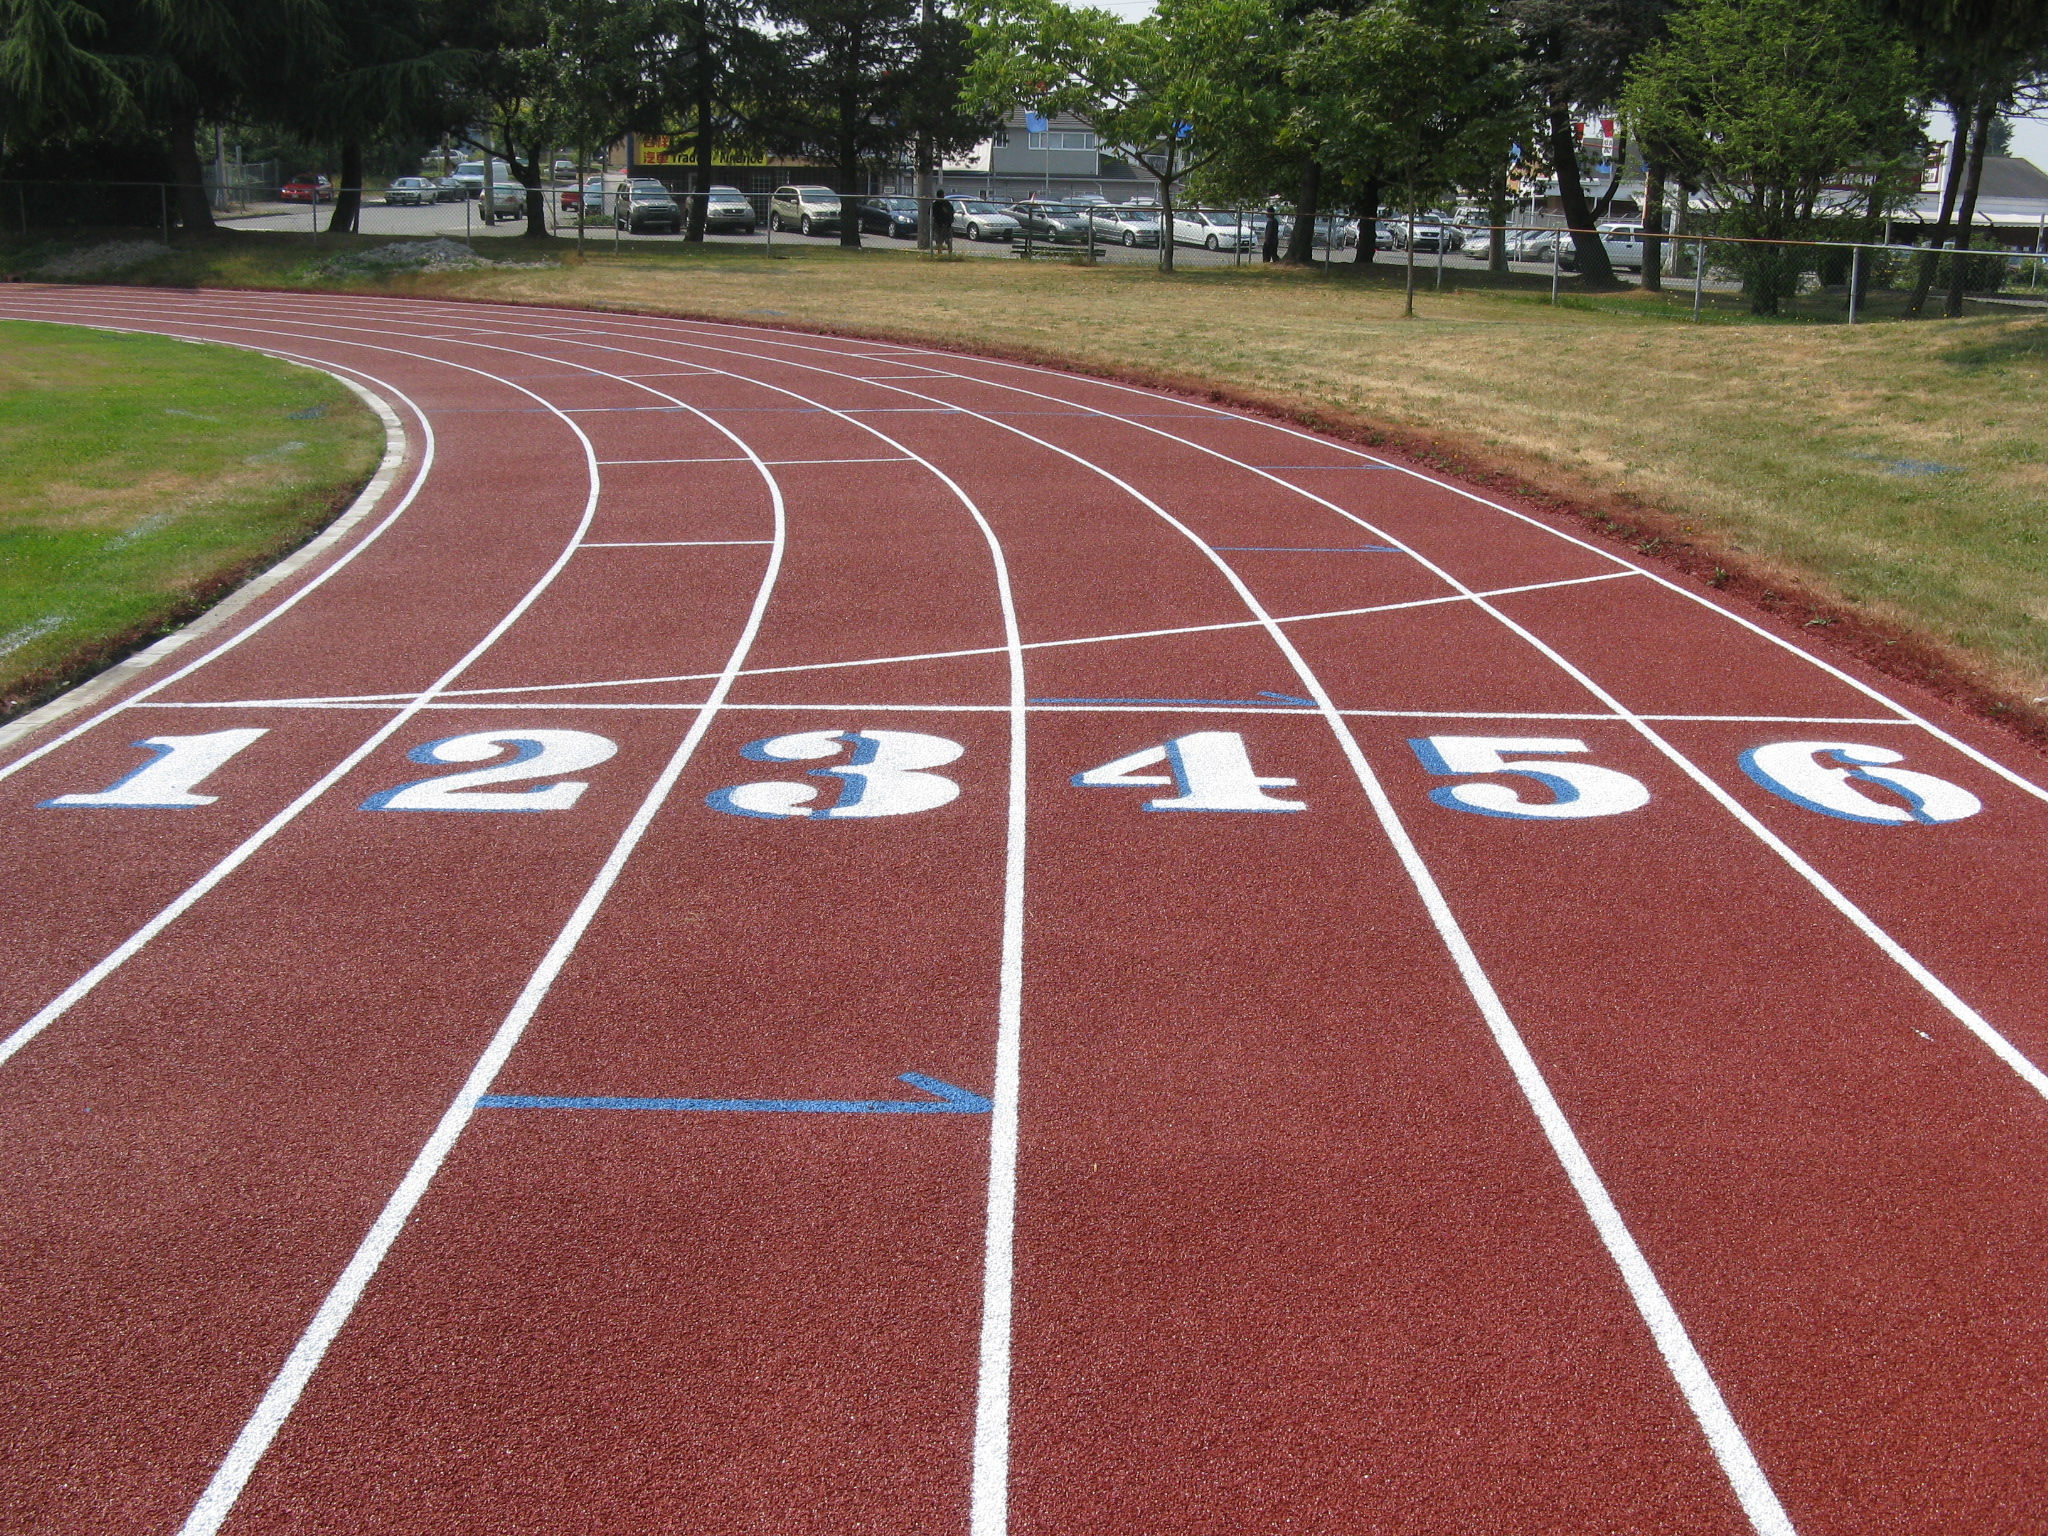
1212,231
1430,236
471,174
1385,237
982,221
726,210
892,216
1534,244
307,189
1050,222
448,190
410,191
508,200
641,206
1125,224
1624,243
1346,231
807,210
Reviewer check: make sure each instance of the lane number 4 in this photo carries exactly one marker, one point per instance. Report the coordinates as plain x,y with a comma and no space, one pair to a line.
1211,770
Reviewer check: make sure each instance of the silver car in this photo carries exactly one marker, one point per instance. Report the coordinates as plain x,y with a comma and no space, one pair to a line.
979,220
808,210
1125,224
410,191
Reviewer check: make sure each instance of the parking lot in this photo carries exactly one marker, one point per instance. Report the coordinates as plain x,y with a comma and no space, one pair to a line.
463,220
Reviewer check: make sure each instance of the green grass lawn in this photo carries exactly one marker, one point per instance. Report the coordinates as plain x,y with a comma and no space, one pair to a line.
141,477
1894,473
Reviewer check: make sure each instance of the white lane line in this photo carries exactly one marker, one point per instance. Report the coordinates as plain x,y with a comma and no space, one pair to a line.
1745,1475
989,1492
232,1476
721,458
1984,760
1921,975
979,650
669,544
89,692
72,995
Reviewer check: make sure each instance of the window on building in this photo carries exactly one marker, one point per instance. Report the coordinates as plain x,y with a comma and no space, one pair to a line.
1061,139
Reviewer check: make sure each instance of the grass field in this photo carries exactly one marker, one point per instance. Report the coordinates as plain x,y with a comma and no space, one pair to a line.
141,477
1890,473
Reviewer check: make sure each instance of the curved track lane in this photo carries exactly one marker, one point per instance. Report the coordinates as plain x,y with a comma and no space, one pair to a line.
1380,1140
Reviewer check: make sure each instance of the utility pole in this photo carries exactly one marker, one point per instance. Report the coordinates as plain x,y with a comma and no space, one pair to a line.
924,152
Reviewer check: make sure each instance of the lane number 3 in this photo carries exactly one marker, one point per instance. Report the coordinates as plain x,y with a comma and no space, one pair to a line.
885,773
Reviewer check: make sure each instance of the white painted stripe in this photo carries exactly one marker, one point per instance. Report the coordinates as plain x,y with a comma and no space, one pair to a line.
672,543
217,1502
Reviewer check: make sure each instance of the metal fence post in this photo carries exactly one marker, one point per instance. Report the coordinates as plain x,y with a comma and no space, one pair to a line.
21,195
1699,274
1443,238
1855,278
1091,235
1237,249
1556,263
163,198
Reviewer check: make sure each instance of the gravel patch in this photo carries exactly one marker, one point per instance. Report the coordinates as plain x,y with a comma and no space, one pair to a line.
440,255
109,256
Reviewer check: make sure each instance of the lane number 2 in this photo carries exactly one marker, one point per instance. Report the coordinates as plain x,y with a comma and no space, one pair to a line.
176,766
886,773
1211,770
1577,789
536,754
1824,776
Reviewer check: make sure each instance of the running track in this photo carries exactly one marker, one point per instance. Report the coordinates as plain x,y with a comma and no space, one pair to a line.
1635,1143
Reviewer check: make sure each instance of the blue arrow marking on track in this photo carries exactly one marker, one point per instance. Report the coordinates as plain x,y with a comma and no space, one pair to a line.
952,1101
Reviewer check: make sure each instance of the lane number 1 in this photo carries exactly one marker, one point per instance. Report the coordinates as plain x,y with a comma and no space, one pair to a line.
176,767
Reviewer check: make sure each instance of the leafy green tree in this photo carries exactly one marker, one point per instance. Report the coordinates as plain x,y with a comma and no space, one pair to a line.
1165,94
1417,96
852,74
708,70
1763,104
1575,55
1977,57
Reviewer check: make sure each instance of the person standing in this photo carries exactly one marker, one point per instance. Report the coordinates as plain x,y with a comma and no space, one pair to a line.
942,223
1269,249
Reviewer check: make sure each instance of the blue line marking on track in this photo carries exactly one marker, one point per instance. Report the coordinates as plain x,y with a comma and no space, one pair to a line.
952,1101
1305,549
1266,698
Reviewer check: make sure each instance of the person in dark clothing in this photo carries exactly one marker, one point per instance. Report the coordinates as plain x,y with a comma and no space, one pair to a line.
942,223
1270,250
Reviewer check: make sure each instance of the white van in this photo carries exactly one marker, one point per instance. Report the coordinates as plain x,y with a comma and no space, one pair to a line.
1624,243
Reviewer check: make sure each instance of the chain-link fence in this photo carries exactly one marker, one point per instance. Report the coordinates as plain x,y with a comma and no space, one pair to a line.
1853,280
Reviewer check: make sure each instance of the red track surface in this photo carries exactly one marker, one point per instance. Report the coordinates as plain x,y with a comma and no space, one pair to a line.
1378,1167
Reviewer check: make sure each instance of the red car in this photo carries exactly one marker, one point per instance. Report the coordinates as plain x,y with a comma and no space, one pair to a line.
306,189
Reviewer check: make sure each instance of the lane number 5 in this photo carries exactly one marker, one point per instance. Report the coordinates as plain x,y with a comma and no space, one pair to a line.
1578,789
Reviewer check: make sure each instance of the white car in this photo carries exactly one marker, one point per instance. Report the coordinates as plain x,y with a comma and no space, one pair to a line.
1213,231
979,220
1624,244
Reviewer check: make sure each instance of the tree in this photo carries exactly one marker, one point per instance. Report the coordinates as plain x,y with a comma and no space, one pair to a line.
1764,103
1977,56
1164,94
708,70
1414,95
1576,54
853,68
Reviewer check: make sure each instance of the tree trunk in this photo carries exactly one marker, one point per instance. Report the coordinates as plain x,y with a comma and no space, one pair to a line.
1166,213
1301,243
1964,112
1497,222
926,190
1368,220
189,196
1653,230
1606,204
700,204
849,175
1595,270
1980,132
348,197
